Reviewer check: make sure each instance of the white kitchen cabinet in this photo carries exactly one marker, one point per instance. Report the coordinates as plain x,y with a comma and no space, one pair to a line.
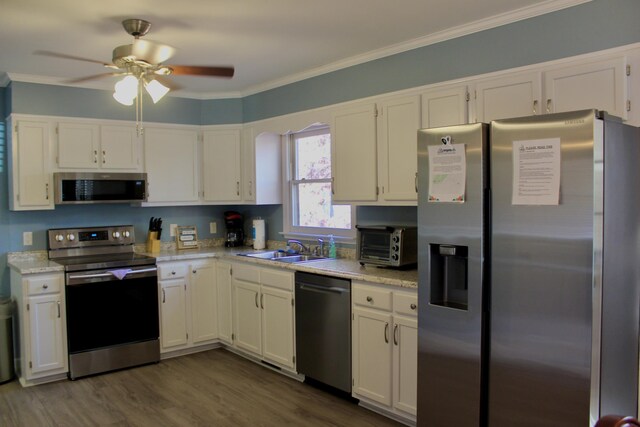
225,302
30,177
600,85
40,323
445,106
385,347
508,96
222,165
398,124
188,304
261,168
172,165
83,146
354,154
264,313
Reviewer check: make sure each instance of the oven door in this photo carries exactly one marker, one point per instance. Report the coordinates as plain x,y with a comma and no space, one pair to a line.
374,245
105,311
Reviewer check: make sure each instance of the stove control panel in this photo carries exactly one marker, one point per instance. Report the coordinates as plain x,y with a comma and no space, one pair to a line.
70,238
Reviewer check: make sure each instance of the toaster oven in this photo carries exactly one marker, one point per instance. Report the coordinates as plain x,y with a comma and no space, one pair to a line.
384,245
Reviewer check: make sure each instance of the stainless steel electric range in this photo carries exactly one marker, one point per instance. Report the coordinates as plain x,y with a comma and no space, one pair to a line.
111,299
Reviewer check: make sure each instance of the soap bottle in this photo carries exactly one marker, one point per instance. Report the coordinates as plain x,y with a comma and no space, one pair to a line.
332,247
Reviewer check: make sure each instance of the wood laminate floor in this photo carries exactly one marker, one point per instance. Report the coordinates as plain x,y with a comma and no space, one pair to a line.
212,388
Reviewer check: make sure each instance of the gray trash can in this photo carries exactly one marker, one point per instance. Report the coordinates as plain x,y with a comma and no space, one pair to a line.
6,341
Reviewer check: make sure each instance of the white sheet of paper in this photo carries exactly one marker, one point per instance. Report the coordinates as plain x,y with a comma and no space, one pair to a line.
447,173
536,172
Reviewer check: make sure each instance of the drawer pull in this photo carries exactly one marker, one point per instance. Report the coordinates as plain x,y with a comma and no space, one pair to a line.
369,299
173,272
413,306
45,286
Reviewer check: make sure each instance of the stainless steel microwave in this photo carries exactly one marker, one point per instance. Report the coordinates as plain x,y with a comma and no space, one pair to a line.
391,246
98,187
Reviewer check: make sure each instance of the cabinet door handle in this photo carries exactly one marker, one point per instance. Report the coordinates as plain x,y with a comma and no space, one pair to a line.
95,156
333,184
58,309
251,188
104,157
386,333
535,107
46,190
416,182
237,188
395,334
194,271
262,301
549,105
257,306
164,297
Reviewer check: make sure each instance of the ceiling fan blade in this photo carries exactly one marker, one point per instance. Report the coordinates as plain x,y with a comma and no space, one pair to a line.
94,77
65,56
168,82
151,52
197,70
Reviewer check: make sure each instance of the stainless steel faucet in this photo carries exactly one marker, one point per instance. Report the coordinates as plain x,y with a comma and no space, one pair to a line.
303,248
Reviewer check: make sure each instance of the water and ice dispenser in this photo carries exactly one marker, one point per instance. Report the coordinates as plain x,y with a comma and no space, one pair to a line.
449,278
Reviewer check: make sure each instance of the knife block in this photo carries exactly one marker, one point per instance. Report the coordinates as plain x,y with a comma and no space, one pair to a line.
153,244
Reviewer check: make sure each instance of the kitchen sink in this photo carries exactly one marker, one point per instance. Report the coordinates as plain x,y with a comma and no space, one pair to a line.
284,257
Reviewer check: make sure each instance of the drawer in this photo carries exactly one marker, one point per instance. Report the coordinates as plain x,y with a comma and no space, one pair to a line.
246,272
277,279
405,303
44,284
172,271
368,296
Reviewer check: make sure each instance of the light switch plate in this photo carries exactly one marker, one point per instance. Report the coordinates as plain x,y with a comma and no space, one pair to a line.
27,238
213,227
172,230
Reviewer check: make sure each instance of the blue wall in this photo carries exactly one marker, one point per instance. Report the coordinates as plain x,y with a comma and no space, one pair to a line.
593,26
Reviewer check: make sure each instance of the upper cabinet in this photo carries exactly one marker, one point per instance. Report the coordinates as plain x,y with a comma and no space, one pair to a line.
30,177
600,85
84,146
221,165
171,163
261,168
502,97
353,154
398,124
445,106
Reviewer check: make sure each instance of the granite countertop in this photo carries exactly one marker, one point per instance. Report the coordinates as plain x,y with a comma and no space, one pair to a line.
36,262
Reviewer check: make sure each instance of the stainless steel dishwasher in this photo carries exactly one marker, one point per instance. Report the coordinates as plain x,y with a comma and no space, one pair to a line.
323,329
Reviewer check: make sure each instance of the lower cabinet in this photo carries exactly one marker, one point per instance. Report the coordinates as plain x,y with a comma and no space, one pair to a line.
225,304
40,331
385,347
263,320
188,304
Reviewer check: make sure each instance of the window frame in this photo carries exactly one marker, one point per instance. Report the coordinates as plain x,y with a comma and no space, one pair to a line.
291,229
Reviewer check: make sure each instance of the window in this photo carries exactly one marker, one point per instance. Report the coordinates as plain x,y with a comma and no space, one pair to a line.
311,210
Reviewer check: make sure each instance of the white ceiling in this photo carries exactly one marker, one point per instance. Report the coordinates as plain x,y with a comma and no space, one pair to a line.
270,42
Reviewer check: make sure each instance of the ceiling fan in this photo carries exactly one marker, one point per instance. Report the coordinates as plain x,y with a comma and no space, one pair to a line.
144,59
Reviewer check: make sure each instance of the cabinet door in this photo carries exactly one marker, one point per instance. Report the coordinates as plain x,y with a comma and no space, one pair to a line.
223,285
405,364
372,352
353,154
119,147
173,313
204,302
600,85
445,107
78,146
46,328
171,162
277,326
508,96
222,165
31,178
399,122
248,165
247,316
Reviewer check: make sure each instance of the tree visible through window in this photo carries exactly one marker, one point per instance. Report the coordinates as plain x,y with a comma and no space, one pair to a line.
312,206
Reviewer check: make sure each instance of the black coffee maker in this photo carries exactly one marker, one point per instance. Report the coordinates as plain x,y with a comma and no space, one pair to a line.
235,229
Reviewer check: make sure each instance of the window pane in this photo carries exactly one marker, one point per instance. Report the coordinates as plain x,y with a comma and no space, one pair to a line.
313,157
315,208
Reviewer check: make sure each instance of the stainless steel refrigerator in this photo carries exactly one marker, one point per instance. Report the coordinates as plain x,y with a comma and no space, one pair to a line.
529,271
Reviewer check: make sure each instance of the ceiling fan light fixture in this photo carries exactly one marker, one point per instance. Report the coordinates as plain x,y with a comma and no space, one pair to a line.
126,90
155,89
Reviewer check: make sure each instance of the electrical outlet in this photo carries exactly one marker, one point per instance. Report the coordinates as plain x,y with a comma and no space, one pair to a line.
213,227
27,238
172,230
